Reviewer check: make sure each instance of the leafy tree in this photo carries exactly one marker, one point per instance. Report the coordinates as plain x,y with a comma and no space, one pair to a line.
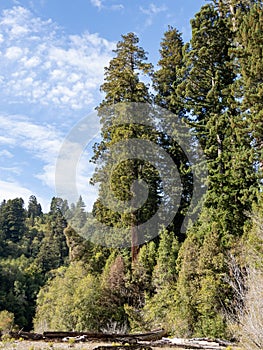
73,300
6,321
18,289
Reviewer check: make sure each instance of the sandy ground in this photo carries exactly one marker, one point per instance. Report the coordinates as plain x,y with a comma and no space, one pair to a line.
41,345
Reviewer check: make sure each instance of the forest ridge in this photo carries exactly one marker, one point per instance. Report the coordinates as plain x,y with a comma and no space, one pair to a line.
205,282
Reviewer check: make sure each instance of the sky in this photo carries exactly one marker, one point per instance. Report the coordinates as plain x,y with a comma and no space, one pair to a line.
52,59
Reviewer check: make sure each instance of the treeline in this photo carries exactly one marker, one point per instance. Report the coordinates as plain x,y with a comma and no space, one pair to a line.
198,283
31,245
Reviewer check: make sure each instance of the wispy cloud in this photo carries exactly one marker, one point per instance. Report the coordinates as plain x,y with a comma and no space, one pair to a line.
102,5
11,190
14,189
43,66
117,7
11,170
46,69
6,154
42,143
97,3
151,11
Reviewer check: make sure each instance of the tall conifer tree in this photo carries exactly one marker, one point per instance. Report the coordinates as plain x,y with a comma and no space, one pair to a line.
221,130
123,86
165,81
169,75
249,54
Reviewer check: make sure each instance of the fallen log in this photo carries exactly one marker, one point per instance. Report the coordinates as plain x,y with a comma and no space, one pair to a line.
194,343
85,336
123,347
26,335
149,336
138,341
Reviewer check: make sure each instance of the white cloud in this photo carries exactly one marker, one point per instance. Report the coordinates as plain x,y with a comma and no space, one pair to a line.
40,141
43,67
18,30
13,189
6,154
6,140
100,4
39,59
151,11
11,170
43,142
97,3
31,62
13,53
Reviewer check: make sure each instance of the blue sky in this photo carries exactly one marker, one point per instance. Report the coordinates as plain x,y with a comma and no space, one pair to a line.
52,58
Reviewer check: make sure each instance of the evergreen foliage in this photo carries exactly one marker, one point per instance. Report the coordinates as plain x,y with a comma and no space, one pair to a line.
204,283
123,84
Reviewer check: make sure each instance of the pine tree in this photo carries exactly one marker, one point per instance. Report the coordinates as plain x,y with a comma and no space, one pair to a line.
250,67
53,250
122,77
222,131
123,85
12,219
214,113
34,209
233,10
79,215
167,78
58,205
170,74
165,270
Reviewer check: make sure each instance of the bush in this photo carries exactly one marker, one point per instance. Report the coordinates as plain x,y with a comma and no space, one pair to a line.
6,321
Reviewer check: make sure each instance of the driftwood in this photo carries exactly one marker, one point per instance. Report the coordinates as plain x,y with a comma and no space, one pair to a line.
123,347
26,335
194,343
149,336
139,341
122,338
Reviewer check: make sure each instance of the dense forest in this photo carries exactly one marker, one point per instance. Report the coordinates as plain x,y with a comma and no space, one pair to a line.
207,281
